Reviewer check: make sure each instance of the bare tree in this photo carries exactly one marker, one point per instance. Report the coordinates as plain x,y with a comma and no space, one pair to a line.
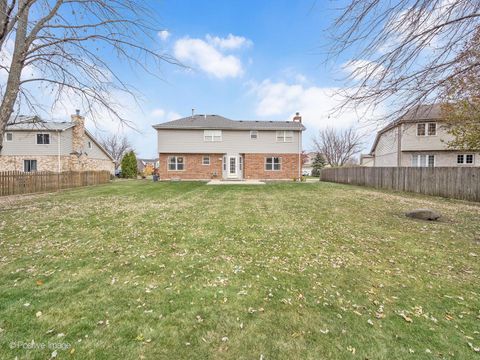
338,146
64,49
117,146
405,50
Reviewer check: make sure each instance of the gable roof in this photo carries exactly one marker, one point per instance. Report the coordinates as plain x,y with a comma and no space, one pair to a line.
218,122
418,113
33,123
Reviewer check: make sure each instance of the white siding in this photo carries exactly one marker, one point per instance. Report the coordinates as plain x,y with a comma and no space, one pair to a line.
25,143
442,158
95,152
412,142
386,151
233,142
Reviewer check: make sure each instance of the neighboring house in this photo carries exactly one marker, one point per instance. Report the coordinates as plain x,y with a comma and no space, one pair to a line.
419,138
147,165
32,144
367,160
307,166
211,146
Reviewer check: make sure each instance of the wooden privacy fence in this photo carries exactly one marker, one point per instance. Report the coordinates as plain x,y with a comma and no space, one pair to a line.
451,182
18,182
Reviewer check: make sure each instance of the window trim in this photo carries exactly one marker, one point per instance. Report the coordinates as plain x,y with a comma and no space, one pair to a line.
273,163
212,136
6,136
427,158
252,132
427,125
30,160
284,136
176,162
203,160
43,143
464,162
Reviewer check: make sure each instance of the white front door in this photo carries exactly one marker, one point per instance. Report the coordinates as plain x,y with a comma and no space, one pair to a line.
232,171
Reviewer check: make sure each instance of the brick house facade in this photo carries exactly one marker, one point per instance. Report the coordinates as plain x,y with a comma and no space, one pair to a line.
203,147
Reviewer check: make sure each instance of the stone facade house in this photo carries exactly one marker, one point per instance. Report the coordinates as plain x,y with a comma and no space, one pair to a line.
32,144
419,139
202,147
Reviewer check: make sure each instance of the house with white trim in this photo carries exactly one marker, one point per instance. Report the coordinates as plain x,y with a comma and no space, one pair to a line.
32,144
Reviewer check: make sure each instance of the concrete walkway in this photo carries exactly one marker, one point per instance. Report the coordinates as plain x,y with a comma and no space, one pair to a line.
235,182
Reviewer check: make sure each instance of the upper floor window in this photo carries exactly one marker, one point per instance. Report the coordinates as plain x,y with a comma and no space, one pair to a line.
9,136
464,159
89,144
273,163
284,136
423,160
43,139
175,163
254,134
212,135
427,129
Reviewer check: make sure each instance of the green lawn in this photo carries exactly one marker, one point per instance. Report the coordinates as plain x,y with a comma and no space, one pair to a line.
137,269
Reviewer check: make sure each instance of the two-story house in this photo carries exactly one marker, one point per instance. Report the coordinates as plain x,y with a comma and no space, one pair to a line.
204,147
419,138
32,144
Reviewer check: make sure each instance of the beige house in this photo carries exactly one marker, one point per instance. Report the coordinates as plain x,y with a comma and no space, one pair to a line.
418,139
201,147
32,144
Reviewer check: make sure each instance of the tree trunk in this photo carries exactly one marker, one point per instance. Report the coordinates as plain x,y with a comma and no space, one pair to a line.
18,59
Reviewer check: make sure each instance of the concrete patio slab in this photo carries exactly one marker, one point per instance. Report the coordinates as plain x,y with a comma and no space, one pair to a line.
235,182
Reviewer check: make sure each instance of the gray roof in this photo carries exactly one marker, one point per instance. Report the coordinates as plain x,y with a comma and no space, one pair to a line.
29,123
221,123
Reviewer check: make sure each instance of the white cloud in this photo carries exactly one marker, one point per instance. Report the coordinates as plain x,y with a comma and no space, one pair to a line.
317,105
200,54
164,35
231,42
157,113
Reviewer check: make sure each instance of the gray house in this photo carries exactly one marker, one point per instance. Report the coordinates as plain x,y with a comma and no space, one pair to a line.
419,138
32,144
212,146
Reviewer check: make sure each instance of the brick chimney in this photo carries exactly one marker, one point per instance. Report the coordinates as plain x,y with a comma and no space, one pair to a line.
297,118
78,141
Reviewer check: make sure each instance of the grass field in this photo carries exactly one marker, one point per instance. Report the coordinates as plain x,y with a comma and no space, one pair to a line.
283,271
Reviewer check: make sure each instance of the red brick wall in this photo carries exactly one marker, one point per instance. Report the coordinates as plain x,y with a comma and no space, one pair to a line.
254,167
194,170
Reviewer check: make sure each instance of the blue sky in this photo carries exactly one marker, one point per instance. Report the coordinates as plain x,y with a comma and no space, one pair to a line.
246,60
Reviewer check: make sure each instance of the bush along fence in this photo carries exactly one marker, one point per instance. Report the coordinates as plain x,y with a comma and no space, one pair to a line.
17,182
451,182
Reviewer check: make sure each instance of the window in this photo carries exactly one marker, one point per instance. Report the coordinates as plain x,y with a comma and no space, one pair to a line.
240,163
427,129
212,135
423,160
43,139
29,165
284,136
89,144
464,159
254,134
206,160
224,163
9,137
175,163
273,163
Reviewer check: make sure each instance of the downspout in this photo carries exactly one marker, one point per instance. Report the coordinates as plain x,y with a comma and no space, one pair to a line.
58,150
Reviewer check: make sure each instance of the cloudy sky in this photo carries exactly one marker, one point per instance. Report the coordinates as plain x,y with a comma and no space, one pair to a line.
245,60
